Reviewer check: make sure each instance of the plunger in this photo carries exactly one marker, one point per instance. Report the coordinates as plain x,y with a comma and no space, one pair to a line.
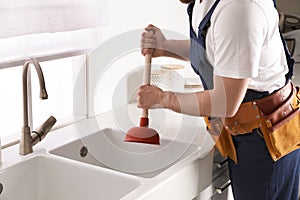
144,134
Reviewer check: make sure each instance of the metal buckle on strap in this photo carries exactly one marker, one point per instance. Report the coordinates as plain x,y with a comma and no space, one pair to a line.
259,133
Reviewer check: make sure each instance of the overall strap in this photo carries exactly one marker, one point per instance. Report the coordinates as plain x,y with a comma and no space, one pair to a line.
205,24
198,56
289,59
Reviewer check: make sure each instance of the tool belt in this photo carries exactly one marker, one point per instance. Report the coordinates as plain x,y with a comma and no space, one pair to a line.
277,117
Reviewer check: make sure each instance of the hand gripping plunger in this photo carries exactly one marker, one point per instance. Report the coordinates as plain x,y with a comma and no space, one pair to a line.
143,134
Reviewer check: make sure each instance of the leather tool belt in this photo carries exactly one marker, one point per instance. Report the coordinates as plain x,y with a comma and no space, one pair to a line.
277,117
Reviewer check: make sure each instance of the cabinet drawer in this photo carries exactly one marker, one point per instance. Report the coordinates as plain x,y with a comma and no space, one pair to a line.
219,166
221,186
217,190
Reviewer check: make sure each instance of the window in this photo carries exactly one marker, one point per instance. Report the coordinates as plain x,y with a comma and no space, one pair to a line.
60,77
58,34
10,103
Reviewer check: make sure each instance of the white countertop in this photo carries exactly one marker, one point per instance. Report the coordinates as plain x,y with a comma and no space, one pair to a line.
169,125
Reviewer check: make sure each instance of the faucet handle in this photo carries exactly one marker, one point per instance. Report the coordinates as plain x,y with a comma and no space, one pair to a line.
41,132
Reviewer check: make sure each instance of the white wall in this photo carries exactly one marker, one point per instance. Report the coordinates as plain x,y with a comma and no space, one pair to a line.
135,14
127,19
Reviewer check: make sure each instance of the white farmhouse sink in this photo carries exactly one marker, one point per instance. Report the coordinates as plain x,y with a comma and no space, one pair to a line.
106,148
44,177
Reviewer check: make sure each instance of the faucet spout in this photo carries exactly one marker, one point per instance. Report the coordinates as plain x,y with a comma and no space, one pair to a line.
43,92
27,141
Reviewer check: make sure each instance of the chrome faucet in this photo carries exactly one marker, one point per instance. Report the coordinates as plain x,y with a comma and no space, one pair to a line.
29,139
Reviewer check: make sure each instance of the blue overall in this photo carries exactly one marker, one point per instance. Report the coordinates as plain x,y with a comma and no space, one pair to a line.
256,176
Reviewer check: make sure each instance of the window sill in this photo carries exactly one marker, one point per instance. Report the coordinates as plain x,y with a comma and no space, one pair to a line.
42,58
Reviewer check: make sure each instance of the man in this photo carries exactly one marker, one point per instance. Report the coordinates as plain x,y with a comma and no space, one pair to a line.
236,50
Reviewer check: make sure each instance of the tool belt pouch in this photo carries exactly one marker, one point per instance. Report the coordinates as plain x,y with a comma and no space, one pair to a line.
277,116
280,125
222,138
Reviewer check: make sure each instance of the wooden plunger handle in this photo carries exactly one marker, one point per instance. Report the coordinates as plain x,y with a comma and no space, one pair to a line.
147,74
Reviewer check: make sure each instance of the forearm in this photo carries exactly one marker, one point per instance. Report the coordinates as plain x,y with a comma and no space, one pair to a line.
222,101
196,104
178,49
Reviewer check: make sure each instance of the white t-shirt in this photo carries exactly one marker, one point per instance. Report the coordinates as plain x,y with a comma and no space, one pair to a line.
243,41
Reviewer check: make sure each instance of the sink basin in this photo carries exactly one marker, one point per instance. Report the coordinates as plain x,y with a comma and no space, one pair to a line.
44,177
106,148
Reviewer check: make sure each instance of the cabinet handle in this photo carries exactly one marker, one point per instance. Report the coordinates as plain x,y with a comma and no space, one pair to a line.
220,164
221,189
